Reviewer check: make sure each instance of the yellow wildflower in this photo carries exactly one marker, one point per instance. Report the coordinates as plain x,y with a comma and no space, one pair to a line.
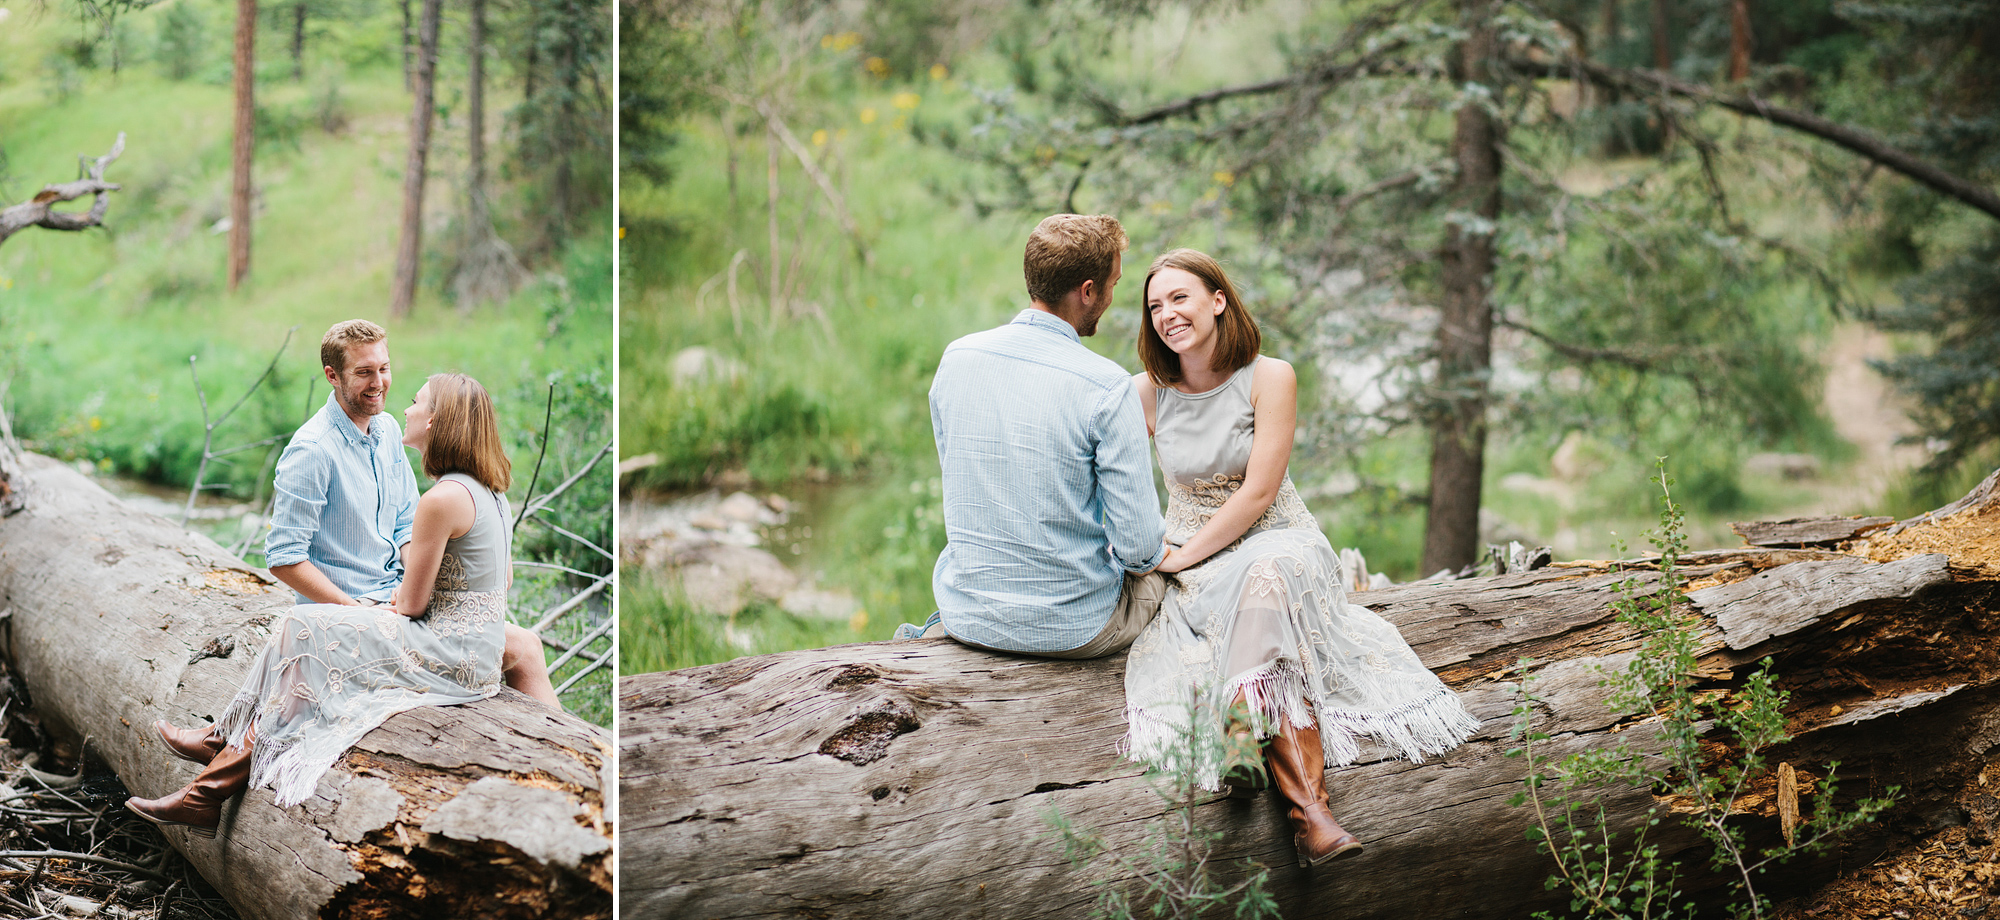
819,138
877,66
939,73
905,100
868,115
1225,177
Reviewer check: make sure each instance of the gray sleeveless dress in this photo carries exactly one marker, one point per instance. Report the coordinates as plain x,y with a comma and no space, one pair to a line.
1266,617
332,673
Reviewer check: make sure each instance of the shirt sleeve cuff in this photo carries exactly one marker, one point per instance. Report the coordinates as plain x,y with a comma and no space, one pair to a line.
283,557
1150,563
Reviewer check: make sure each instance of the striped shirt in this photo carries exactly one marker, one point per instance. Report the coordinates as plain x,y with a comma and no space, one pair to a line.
1048,489
345,503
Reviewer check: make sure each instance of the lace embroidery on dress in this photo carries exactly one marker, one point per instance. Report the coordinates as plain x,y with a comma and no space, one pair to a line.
331,673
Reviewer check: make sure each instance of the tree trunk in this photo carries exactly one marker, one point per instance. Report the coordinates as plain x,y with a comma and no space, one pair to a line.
1663,50
116,618
299,42
409,42
245,142
410,244
475,142
1739,40
913,779
1465,328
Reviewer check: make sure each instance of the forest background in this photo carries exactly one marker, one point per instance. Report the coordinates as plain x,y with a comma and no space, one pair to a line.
100,325
817,198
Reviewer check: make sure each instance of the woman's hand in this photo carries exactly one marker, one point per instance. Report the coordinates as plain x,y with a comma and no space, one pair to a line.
1174,561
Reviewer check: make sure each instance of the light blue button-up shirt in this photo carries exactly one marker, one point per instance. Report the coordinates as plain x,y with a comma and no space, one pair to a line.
345,503
1048,487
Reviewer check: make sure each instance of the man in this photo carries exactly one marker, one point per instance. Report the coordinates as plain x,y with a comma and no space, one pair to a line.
346,498
1049,509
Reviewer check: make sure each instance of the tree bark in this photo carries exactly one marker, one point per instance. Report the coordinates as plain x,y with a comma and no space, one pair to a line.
116,618
409,42
1739,40
39,211
409,245
913,779
1465,327
1663,50
245,142
475,141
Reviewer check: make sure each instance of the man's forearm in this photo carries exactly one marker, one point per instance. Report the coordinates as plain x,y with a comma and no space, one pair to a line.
310,583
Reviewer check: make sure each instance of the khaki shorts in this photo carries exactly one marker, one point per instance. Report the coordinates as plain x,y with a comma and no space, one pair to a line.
1138,601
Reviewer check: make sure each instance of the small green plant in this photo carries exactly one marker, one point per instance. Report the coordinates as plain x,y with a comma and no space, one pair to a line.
1172,864
1631,878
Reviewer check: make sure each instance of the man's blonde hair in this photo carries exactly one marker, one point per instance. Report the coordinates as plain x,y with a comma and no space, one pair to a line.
1068,249
333,348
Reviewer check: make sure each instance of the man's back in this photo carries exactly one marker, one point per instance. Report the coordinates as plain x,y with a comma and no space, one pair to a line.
1048,490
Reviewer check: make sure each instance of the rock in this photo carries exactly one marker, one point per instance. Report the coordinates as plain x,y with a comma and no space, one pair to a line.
743,507
723,578
1789,467
821,605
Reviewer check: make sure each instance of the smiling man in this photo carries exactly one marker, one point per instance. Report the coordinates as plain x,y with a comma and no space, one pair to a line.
346,496
1052,524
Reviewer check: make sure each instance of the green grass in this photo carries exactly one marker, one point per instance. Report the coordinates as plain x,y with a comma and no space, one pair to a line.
99,326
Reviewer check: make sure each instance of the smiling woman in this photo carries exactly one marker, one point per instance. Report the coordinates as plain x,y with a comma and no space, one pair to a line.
1256,635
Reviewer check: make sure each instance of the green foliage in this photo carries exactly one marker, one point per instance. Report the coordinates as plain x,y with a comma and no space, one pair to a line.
562,125
659,630
1632,878
182,42
1171,871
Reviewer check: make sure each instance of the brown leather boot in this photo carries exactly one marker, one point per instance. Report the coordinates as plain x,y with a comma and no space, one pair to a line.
1243,760
196,745
199,806
1298,768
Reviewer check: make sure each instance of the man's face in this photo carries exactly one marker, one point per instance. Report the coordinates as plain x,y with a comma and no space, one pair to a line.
363,387
1094,309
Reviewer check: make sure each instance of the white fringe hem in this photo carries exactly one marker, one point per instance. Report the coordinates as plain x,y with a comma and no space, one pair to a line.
1428,726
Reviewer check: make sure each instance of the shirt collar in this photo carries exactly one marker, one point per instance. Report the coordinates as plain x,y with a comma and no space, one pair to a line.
1046,320
341,423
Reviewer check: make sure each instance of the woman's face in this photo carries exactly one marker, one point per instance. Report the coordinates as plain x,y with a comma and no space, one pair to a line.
417,419
1183,310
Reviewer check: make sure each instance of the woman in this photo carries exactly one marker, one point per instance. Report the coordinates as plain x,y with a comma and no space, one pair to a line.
332,673
1256,637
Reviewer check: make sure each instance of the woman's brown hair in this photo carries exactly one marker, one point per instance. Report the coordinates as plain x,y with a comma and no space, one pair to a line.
1236,336
465,436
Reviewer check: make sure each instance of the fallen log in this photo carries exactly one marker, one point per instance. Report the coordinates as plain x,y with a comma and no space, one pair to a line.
914,779
115,618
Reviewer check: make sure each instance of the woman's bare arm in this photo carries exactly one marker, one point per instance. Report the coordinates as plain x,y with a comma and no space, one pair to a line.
443,513
1274,401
